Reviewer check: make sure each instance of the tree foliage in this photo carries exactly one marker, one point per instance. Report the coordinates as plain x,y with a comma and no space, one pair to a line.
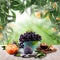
51,6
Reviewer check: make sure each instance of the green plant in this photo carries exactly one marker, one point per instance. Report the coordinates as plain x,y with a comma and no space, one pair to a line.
51,6
39,54
9,5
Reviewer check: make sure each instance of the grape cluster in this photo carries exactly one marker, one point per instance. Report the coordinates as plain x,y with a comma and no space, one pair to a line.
29,36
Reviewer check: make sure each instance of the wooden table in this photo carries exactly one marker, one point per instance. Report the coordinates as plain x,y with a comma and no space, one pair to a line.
51,56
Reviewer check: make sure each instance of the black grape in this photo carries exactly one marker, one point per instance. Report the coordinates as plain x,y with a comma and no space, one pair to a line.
29,36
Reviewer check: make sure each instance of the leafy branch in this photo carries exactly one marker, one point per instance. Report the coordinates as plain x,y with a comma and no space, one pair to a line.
51,6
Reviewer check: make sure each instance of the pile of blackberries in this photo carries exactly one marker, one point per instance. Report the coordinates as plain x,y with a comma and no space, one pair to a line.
29,36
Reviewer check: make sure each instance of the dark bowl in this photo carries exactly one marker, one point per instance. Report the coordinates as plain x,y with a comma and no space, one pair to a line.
44,47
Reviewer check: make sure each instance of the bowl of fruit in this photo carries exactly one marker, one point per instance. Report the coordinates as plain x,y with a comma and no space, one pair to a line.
30,39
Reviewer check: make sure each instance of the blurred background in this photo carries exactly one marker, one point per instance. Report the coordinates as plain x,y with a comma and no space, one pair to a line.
20,16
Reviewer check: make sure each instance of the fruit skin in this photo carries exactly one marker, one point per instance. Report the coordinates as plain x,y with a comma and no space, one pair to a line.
11,49
57,18
38,14
1,35
28,50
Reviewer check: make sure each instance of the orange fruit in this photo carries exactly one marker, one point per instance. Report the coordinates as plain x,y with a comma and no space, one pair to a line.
57,18
11,49
38,14
1,36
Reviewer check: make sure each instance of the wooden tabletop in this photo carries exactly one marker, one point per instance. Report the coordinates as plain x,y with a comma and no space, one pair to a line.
51,56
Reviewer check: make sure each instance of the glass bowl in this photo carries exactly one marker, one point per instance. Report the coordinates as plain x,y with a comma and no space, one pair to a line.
32,44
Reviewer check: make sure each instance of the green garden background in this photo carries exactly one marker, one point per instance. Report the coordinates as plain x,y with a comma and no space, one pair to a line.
40,16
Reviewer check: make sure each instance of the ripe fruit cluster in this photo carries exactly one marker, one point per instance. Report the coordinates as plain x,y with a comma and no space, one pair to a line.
29,36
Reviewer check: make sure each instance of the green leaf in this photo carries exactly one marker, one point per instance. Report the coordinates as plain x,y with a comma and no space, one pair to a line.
14,15
28,3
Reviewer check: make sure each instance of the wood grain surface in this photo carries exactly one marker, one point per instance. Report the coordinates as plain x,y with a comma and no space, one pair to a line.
51,56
